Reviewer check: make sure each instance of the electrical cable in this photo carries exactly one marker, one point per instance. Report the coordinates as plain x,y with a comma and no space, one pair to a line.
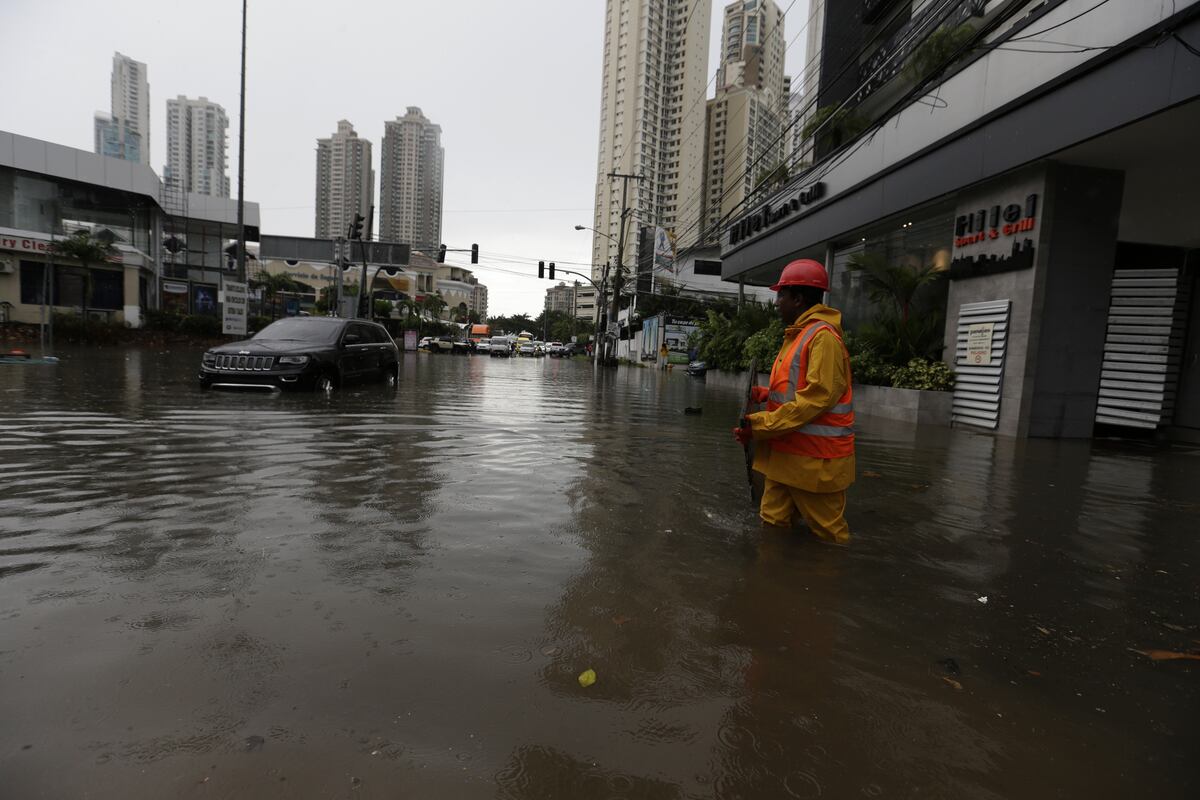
849,63
947,7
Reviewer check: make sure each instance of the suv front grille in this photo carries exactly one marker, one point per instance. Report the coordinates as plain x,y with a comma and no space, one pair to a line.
245,363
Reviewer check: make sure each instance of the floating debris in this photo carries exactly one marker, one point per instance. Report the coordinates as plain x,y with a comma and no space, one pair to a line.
587,678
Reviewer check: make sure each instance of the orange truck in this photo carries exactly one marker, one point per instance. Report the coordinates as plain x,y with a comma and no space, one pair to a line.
479,332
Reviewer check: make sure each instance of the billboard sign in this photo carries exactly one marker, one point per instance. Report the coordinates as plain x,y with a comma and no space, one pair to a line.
233,308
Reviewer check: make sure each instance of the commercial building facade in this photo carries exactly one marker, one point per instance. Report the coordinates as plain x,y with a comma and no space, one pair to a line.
411,179
197,147
345,181
651,122
162,260
1052,183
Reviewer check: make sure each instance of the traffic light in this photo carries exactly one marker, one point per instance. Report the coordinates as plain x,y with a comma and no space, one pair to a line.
441,256
357,226
474,254
551,270
541,269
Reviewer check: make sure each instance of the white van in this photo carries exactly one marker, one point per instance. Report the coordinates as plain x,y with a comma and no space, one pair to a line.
499,347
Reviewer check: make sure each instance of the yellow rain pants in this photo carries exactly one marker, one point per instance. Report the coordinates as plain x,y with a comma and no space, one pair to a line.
824,511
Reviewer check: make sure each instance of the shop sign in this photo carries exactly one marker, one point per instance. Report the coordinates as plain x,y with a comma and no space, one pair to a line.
24,245
233,308
770,215
979,344
988,224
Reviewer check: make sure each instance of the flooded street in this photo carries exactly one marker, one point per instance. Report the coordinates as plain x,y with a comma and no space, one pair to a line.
392,594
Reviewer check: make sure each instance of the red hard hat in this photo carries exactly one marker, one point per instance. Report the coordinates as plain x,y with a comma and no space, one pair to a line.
803,272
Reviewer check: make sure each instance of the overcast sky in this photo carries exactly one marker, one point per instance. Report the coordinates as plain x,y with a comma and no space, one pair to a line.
515,86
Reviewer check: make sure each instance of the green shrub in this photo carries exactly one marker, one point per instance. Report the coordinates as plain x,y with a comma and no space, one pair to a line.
77,330
921,373
764,345
868,368
200,325
167,321
937,51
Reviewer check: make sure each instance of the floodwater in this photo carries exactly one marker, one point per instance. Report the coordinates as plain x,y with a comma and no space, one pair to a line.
393,595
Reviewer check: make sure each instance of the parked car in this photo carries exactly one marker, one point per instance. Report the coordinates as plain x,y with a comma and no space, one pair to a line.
499,347
425,343
526,349
483,346
443,344
320,353
554,349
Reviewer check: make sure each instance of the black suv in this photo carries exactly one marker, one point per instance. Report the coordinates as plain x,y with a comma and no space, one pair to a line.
320,353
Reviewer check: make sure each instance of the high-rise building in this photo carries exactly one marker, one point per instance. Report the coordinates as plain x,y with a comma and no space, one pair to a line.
744,123
196,147
124,132
410,188
651,122
345,181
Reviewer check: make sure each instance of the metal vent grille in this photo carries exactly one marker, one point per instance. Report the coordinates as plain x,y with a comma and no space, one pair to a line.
977,387
1142,348
245,363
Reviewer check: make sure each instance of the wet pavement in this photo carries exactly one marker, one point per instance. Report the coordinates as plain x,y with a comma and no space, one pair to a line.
393,594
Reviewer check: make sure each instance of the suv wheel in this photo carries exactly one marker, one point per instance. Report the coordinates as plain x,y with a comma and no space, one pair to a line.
391,376
325,384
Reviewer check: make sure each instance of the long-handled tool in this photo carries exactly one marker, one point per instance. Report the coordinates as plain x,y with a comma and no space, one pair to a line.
748,447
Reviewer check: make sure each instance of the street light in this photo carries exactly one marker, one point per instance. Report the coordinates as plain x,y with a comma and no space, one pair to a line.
601,298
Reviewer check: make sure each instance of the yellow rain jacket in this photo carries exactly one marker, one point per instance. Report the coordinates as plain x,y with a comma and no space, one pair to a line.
828,377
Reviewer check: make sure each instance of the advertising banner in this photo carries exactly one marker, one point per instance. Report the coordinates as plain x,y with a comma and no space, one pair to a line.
410,340
664,250
233,308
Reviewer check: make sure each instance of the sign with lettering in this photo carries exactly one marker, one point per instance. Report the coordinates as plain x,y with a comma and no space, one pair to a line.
979,344
233,309
772,213
24,245
988,224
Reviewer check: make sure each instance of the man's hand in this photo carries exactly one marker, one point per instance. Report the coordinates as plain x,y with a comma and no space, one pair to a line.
743,435
759,394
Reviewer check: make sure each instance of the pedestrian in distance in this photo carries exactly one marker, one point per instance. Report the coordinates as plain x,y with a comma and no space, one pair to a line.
805,436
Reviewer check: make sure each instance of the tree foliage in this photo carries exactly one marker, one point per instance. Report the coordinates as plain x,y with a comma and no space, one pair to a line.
908,321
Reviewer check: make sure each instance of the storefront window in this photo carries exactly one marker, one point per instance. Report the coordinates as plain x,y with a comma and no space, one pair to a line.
894,255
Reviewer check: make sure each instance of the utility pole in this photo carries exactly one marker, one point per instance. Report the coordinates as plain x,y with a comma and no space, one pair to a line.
618,282
241,207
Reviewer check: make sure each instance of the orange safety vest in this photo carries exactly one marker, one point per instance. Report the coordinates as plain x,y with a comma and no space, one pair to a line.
831,433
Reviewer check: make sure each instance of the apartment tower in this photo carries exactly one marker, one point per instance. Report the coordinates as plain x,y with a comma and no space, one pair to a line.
124,132
197,145
744,121
410,189
345,181
651,122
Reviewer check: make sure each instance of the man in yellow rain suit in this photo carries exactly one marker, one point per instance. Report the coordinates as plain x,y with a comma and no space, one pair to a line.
805,436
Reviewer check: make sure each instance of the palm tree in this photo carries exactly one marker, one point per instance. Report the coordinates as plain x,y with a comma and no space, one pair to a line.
898,332
434,305
87,249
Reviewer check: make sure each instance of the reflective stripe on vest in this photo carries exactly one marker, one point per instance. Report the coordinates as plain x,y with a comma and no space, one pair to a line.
831,433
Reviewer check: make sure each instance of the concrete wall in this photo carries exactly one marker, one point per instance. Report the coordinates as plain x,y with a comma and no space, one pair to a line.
1018,286
1075,266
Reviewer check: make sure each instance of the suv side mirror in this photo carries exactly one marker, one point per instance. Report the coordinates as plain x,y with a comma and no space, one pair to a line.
352,338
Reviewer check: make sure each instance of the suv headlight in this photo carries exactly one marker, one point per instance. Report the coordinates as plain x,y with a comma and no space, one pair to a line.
210,358
293,359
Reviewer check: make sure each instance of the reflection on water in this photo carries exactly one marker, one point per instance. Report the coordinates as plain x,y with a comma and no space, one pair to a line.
394,593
